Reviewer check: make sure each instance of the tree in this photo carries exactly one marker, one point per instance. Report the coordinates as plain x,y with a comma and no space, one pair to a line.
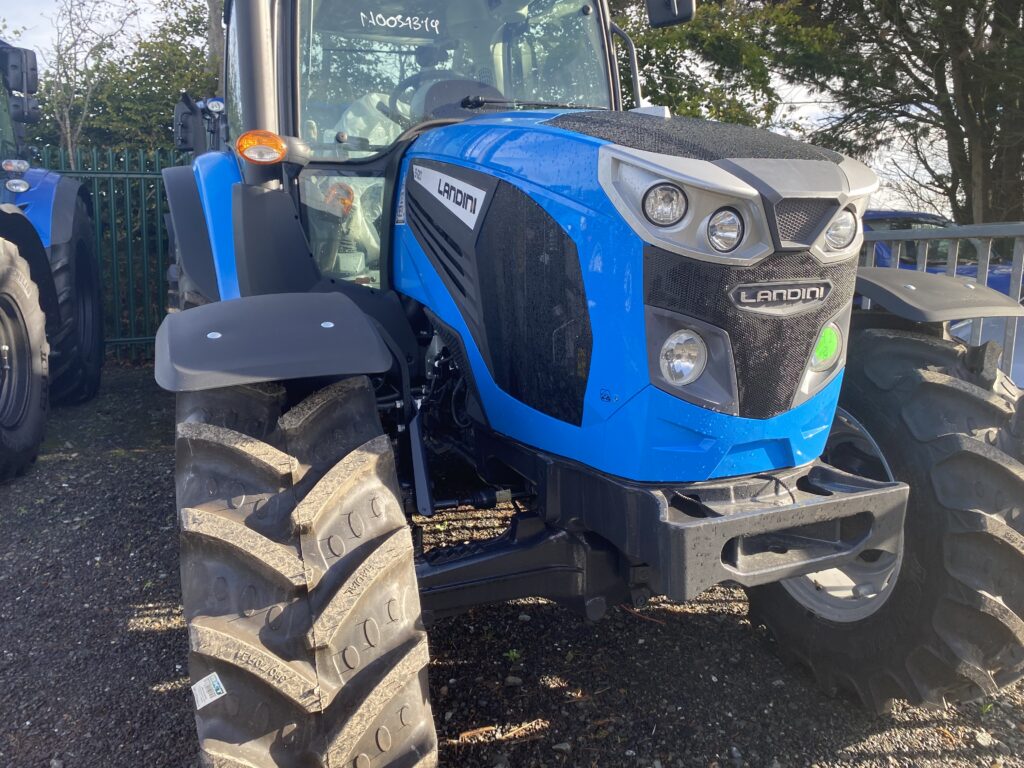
719,65
87,38
135,97
214,36
133,94
938,84
943,79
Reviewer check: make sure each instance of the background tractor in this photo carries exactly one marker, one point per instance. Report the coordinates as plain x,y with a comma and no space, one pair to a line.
51,329
429,261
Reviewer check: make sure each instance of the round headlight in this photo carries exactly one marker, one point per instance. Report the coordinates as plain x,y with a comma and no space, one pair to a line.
15,165
725,230
17,186
841,231
827,349
664,205
215,105
683,357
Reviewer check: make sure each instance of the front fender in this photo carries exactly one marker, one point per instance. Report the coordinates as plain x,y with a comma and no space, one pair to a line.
922,297
267,338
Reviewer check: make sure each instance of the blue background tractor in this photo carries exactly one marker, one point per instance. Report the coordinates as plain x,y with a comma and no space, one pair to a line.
430,262
51,331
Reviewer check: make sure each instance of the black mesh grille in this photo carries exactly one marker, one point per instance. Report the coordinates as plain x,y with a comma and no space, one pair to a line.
800,220
445,252
534,306
771,352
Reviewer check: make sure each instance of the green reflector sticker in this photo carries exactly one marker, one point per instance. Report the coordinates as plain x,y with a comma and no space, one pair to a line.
827,348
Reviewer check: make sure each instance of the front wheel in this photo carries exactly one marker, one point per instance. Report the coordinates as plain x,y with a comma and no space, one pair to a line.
298,582
24,365
938,616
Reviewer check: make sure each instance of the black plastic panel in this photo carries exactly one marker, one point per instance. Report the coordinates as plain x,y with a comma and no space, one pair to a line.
689,137
535,306
771,352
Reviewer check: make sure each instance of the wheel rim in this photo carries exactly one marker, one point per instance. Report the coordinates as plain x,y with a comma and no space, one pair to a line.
858,589
15,364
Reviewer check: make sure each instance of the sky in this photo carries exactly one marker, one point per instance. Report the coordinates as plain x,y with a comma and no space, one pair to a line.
34,17
30,14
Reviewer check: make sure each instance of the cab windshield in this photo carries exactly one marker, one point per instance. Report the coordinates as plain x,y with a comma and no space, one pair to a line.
368,71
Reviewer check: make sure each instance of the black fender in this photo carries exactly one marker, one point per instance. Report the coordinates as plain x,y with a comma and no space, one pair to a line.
267,338
923,297
189,231
16,228
62,214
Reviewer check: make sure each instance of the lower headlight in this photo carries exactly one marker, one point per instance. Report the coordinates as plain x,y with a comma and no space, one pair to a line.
828,349
17,186
841,231
683,357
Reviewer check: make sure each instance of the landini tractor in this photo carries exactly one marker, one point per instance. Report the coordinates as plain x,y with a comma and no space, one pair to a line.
51,333
429,249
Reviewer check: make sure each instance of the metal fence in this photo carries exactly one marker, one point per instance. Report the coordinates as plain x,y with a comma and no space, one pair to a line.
131,238
989,254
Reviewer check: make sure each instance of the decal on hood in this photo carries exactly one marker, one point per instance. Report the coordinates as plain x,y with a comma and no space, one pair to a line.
459,197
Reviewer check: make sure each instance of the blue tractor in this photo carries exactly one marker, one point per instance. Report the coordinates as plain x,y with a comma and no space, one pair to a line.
429,261
51,332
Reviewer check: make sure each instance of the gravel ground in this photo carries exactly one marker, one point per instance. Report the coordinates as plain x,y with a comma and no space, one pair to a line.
92,646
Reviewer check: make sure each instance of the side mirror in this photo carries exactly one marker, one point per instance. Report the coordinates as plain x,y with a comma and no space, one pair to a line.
25,109
668,13
188,125
21,70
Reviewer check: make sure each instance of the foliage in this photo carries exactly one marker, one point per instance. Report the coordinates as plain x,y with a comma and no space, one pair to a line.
929,76
134,93
720,65
87,34
937,85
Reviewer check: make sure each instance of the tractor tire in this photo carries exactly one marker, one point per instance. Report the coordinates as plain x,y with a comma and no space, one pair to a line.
298,582
951,627
24,365
78,346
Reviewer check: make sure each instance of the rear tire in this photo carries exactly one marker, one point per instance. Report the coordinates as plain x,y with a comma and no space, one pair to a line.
25,382
79,344
298,581
949,424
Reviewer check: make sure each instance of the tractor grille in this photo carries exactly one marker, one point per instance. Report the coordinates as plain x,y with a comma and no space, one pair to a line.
770,352
800,220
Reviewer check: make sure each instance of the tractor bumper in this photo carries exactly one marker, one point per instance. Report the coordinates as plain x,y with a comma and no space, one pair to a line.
749,530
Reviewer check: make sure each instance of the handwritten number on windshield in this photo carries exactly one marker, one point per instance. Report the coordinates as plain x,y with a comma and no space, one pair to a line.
401,21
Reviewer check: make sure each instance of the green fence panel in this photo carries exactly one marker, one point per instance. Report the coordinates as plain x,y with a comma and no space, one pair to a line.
129,209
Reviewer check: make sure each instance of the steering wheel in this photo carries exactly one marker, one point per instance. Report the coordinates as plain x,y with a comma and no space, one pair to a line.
402,93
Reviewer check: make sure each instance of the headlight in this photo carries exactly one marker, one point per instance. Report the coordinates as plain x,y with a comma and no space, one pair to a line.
15,166
842,231
683,358
17,186
827,349
215,105
665,205
725,230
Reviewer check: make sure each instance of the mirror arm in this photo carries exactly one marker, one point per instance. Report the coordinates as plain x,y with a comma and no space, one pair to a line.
634,63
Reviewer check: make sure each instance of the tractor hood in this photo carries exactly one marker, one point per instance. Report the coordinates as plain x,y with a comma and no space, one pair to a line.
525,235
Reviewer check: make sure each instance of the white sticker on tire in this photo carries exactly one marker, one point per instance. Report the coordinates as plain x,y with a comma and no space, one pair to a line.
462,199
208,690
